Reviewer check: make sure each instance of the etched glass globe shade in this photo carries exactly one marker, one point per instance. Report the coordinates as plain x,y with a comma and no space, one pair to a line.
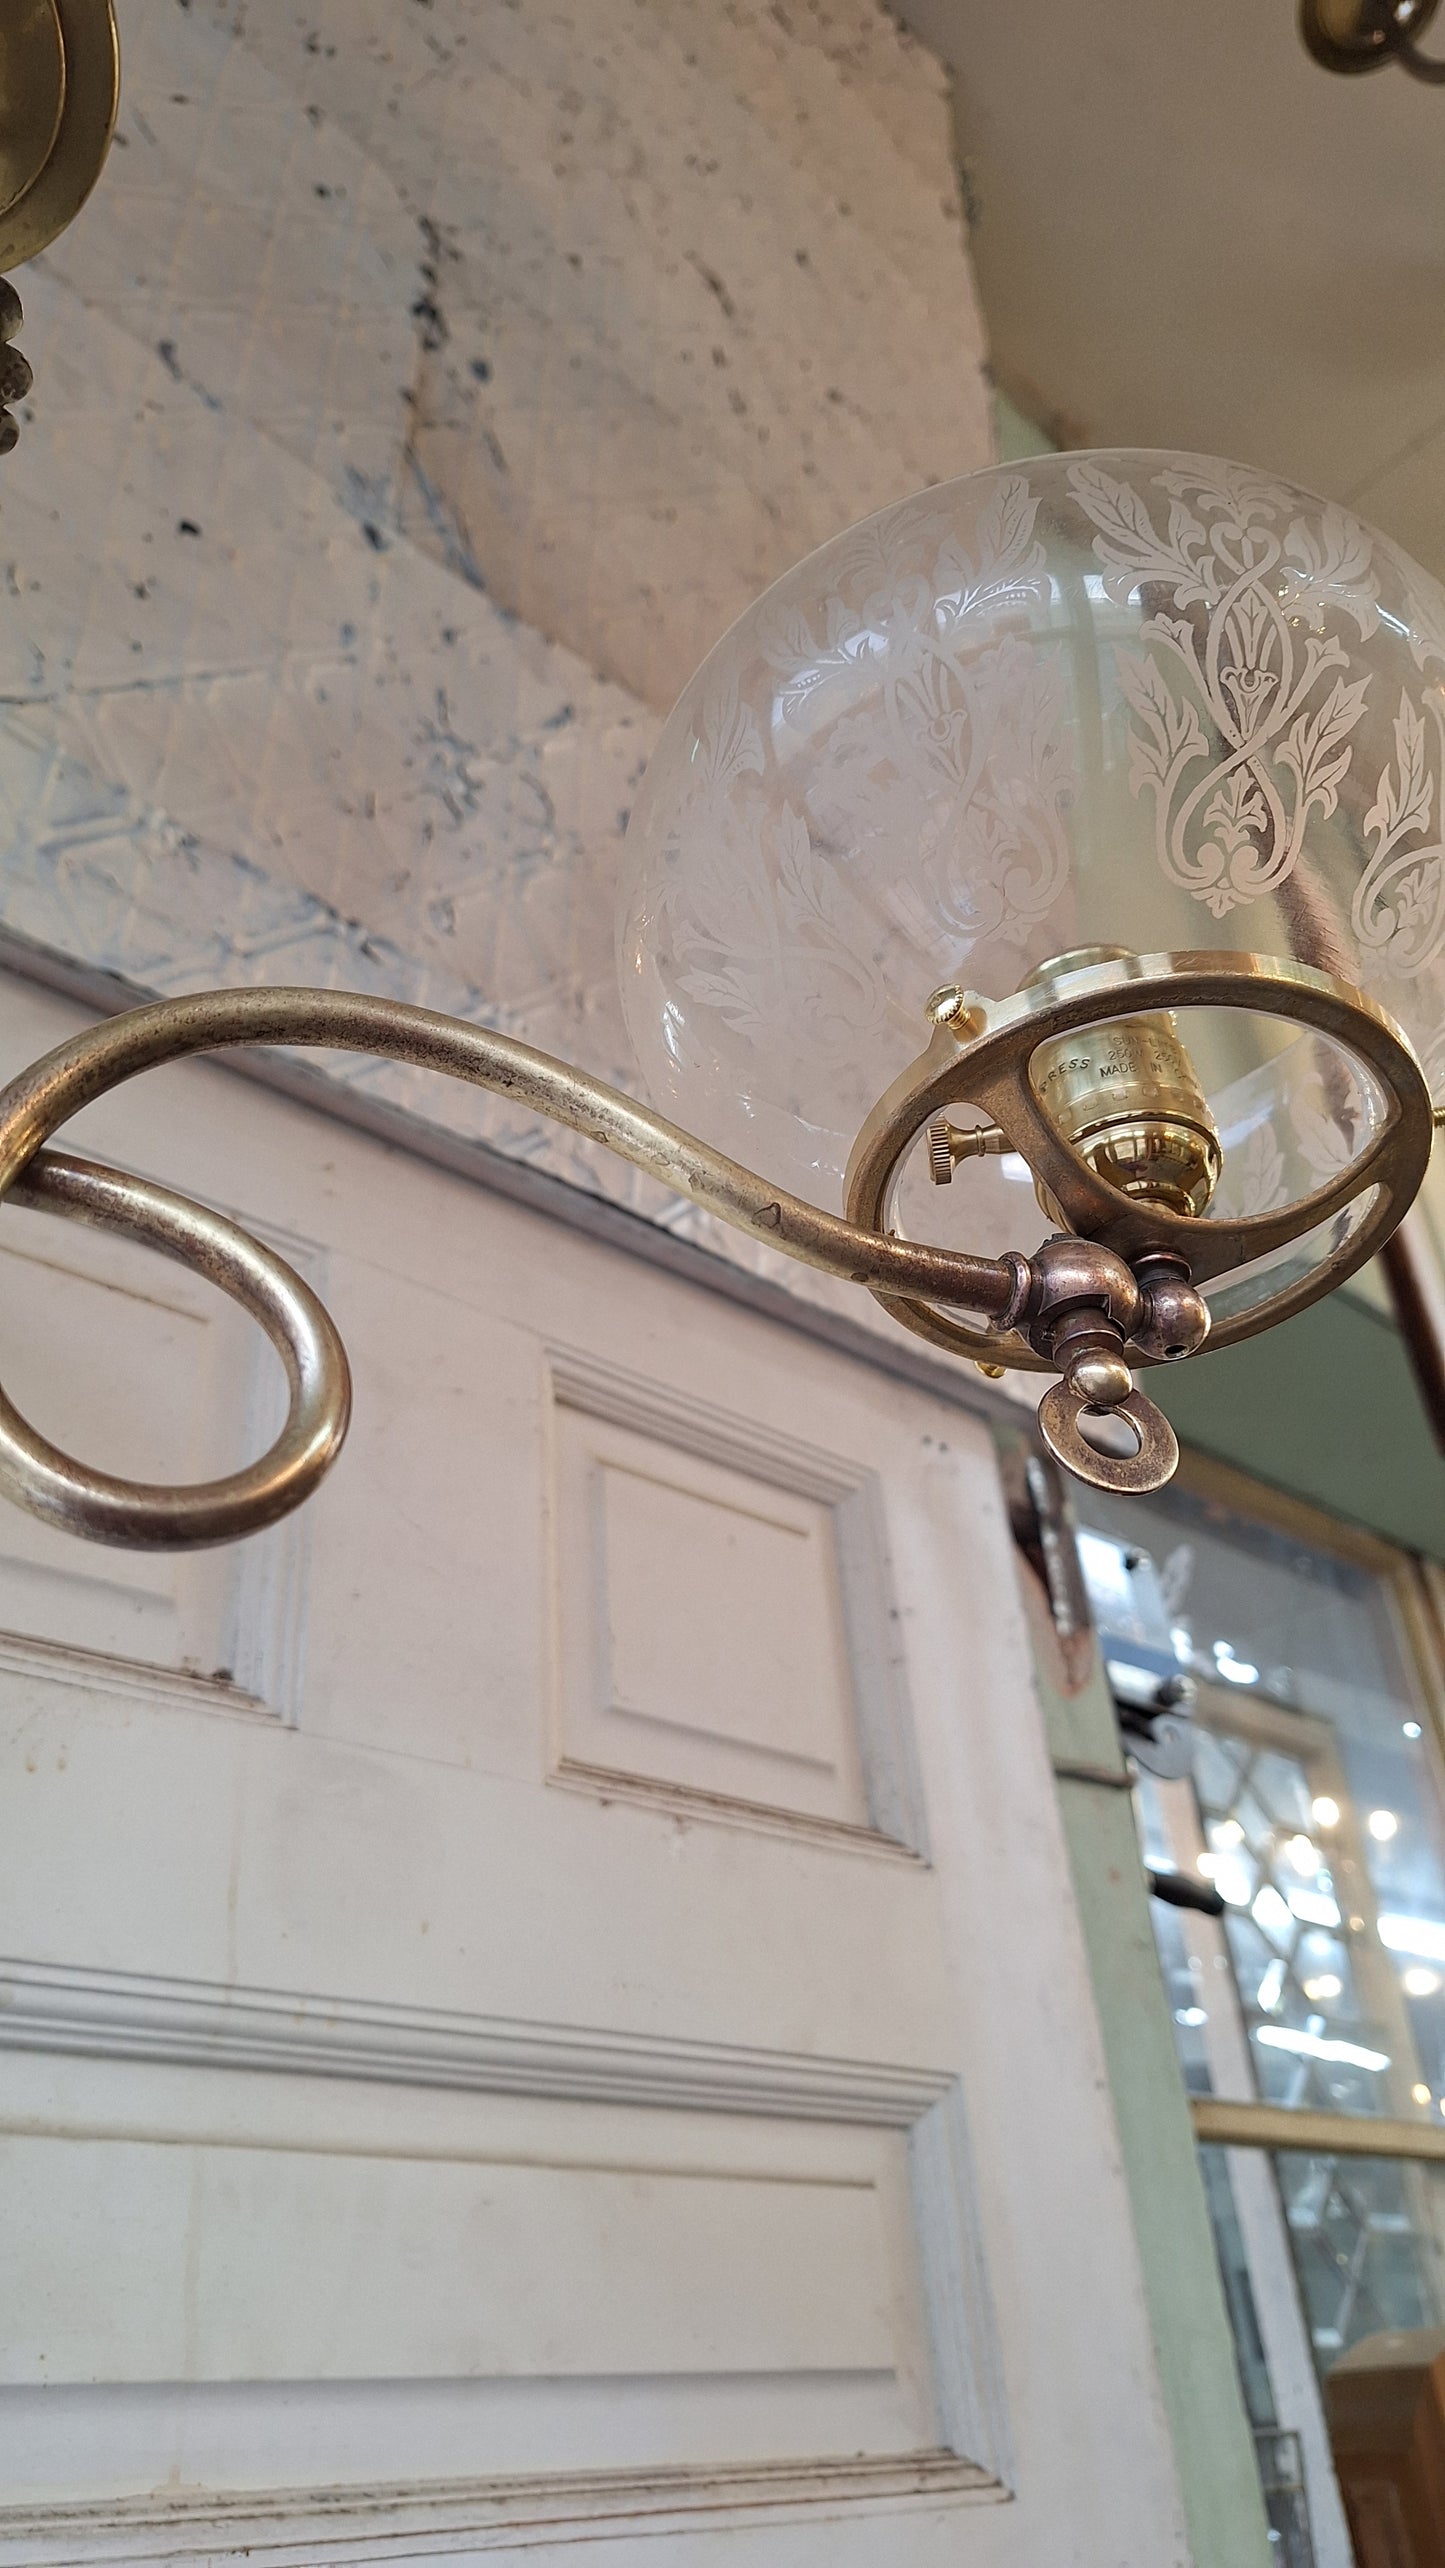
1144,702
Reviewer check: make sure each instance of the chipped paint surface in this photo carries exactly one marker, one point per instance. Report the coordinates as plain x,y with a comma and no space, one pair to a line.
423,391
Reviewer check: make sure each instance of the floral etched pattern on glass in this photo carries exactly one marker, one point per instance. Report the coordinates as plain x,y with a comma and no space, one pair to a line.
1242,708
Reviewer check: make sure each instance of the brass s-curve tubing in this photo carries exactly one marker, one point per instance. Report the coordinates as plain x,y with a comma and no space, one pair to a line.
43,1097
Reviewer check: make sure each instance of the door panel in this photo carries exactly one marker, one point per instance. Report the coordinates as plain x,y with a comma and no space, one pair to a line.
763,2269
620,2038
725,1612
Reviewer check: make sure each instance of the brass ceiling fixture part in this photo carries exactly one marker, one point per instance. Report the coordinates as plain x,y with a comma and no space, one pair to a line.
32,99
59,91
1363,35
969,717
15,377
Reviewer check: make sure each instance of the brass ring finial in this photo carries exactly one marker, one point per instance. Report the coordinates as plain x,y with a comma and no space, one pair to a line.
1155,1460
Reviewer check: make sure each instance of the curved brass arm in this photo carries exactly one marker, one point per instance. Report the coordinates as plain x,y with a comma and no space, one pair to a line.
53,1485
45,1096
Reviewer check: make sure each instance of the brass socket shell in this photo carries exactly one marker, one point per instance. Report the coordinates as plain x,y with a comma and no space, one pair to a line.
1126,1097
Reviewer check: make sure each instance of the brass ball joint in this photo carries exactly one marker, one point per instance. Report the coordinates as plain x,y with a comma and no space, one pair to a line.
1084,1306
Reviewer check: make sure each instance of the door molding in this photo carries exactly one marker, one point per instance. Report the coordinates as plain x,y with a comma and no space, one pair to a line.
460,2521
262,1639
129,2015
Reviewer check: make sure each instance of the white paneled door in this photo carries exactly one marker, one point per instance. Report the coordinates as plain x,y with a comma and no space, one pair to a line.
541,2002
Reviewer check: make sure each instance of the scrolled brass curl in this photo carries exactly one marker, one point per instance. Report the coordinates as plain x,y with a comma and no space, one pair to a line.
137,1514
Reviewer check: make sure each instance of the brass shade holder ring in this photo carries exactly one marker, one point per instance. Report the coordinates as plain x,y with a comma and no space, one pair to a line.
981,1057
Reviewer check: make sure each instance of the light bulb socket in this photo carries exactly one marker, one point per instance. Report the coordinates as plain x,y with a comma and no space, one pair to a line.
1125,1095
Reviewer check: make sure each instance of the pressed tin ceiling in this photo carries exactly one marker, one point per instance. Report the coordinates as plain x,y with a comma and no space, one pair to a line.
1188,234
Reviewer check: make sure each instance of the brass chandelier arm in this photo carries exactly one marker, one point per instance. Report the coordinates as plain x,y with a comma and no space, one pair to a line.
33,1106
51,1484
1076,1305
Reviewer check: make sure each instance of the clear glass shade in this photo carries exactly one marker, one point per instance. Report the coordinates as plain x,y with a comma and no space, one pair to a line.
1143,701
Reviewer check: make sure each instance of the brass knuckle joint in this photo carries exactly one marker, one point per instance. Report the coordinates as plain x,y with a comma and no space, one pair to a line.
1078,1275
1080,1292
1083,1310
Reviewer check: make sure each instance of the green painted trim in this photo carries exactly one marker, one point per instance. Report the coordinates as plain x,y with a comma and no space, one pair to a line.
1193,2344
1326,1407
1198,2371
